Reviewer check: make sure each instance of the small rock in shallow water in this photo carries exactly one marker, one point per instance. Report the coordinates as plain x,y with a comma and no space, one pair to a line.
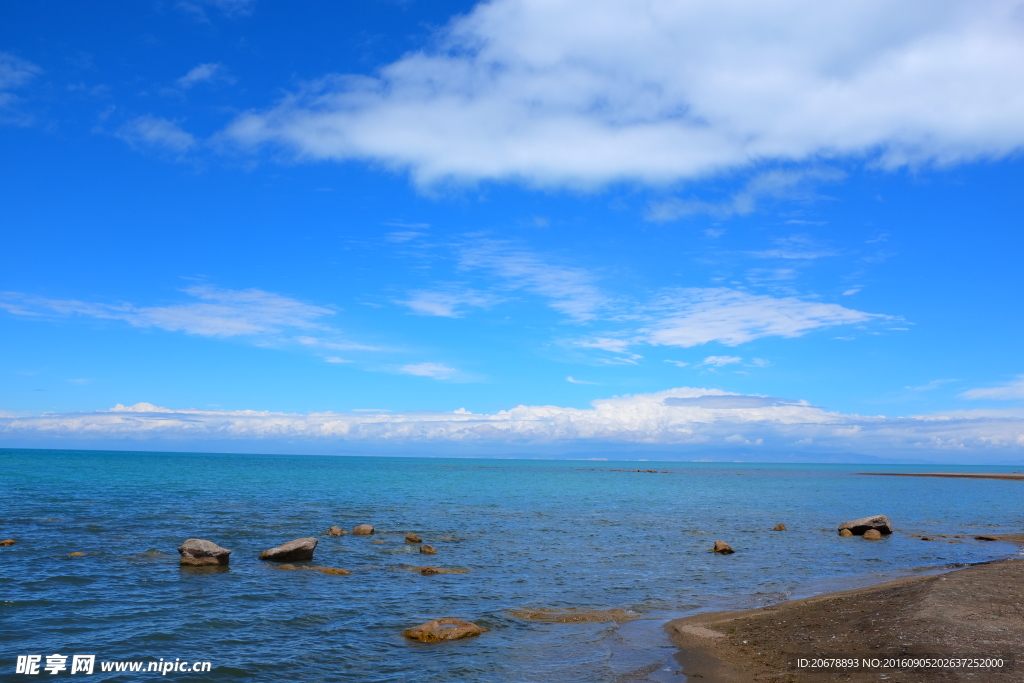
879,523
845,533
292,551
779,527
338,571
195,552
413,538
76,554
428,549
574,616
336,531
925,538
723,548
872,535
363,530
985,538
443,629
8,541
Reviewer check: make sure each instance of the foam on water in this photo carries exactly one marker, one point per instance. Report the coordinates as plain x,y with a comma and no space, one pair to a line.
534,535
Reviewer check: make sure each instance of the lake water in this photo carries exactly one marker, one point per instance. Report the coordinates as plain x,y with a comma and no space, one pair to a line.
533,534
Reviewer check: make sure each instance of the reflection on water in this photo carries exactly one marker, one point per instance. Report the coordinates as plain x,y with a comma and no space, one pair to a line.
572,568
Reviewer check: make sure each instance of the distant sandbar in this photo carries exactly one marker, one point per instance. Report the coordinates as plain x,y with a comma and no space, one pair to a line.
1015,476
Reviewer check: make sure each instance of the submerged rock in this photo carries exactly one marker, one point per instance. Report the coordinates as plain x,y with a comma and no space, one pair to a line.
292,551
723,548
427,549
872,535
879,523
337,571
336,531
413,538
431,569
76,554
196,552
363,530
779,527
439,630
574,616
986,538
8,541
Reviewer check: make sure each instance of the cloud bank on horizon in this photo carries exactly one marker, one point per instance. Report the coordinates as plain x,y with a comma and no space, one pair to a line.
678,417
571,93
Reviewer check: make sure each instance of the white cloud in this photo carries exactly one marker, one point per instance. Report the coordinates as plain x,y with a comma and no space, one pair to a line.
1009,391
574,92
218,313
777,184
156,133
14,73
929,386
719,361
204,73
573,380
432,370
678,363
690,317
572,291
335,359
684,416
446,303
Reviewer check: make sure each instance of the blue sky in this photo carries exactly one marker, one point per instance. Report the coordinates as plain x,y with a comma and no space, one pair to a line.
389,211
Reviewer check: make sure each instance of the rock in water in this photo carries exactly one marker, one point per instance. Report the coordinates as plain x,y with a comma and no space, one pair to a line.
336,531
723,548
413,538
845,533
8,541
779,527
292,551
428,550
985,538
857,527
363,530
195,552
429,569
443,629
872,535
76,554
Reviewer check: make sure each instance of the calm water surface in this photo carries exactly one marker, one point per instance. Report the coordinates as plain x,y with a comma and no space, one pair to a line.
533,534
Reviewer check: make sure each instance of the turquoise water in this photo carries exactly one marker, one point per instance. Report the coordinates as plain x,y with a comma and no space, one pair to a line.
533,534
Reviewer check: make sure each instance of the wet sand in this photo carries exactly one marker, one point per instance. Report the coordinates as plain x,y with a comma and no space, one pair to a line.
978,610
1011,476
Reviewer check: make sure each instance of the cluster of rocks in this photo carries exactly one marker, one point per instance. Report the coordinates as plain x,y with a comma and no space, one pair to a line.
870,528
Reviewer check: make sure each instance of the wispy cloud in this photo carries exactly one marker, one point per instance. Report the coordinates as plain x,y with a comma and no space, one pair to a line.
678,363
151,132
204,73
685,417
214,312
719,361
1007,392
932,385
14,73
775,184
690,317
571,291
573,380
449,303
432,370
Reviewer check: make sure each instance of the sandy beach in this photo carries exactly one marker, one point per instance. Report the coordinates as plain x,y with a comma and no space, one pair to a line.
978,611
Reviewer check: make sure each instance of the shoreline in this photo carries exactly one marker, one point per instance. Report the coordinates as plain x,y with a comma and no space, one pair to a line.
976,610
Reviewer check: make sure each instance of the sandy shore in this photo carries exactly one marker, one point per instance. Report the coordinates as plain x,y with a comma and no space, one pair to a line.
978,610
1006,476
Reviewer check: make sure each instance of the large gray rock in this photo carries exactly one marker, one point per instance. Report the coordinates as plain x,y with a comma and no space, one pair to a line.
292,551
195,552
857,527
